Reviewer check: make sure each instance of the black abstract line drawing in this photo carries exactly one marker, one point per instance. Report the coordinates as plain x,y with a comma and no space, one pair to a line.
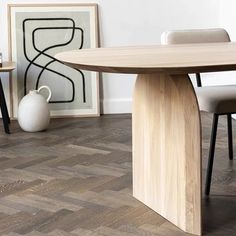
45,53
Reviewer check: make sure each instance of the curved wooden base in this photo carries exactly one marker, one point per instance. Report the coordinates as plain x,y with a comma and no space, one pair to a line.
167,149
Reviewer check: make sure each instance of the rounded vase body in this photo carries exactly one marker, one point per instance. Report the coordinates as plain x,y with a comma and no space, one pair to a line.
33,111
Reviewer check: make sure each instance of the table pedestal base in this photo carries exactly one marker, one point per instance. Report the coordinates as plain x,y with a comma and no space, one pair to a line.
167,149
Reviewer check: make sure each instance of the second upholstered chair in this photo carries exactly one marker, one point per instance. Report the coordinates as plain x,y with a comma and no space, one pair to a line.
219,100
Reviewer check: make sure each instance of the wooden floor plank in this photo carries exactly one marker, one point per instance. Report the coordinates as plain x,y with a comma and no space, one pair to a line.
80,183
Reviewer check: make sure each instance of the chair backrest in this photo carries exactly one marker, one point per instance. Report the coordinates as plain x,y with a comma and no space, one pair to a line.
195,36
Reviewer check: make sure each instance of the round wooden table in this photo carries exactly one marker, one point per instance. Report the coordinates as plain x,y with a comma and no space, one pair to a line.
6,67
166,120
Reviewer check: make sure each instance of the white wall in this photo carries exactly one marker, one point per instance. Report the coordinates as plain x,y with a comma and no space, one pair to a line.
227,20
227,17
132,22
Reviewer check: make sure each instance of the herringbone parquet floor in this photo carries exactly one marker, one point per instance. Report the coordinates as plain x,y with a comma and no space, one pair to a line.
75,179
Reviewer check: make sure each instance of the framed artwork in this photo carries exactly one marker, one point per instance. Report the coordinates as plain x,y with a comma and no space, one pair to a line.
36,34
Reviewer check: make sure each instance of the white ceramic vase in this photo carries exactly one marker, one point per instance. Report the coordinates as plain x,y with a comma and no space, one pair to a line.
33,111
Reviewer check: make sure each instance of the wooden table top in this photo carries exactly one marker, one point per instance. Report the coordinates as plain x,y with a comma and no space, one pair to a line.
176,59
7,66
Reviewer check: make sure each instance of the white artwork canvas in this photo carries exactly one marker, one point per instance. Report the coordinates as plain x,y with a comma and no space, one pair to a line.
37,33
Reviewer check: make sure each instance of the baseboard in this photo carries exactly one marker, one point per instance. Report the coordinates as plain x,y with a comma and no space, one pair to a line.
116,106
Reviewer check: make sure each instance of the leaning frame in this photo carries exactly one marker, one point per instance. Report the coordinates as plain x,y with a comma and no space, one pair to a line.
36,33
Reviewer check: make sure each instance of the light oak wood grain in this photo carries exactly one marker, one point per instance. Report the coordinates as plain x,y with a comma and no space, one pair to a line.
175,59
166,125
167,149
7,66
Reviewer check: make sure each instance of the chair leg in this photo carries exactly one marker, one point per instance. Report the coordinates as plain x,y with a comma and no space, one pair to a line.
230,136
5,115
198,78
211,154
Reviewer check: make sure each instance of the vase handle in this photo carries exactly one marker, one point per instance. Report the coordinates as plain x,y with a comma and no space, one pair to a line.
49,92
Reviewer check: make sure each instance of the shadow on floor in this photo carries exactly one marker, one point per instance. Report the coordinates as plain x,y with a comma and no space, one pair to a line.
217,215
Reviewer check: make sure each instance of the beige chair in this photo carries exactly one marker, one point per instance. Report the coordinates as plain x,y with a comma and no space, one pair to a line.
219,100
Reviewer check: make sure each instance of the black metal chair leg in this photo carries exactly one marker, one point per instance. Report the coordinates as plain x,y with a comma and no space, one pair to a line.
198,78
211,154
5,115
4,102
230,136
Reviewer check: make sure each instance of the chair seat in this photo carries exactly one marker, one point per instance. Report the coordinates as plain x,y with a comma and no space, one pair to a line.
217,99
